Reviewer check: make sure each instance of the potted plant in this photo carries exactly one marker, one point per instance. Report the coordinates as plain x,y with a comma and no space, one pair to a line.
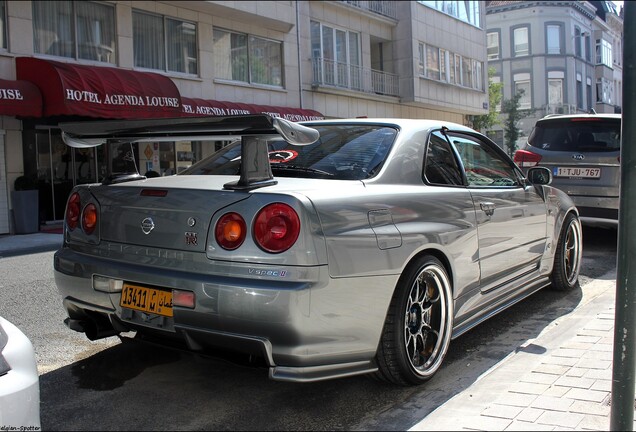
26,216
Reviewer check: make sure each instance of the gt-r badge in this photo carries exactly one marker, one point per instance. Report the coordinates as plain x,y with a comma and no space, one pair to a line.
191,238
147,225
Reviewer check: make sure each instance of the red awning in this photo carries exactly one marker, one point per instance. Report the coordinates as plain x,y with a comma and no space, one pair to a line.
20,99
204,107
96,91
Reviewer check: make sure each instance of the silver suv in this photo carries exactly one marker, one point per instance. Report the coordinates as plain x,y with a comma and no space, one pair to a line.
583,153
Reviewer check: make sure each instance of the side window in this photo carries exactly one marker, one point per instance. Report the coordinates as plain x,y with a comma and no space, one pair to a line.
440,166
483,165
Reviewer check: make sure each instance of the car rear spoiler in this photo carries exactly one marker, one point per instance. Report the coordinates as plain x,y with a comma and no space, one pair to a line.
254,131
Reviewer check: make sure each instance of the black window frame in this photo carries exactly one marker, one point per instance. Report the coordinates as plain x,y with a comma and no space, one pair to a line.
492,149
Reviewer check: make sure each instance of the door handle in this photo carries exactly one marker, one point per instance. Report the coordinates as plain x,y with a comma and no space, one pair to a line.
487,207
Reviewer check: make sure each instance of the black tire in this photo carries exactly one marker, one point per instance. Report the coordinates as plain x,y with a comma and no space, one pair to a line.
418,326
567,258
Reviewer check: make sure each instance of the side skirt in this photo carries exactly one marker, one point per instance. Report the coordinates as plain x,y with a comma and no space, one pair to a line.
506,302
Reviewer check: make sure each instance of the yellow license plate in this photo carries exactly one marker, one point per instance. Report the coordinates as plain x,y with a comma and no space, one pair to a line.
146,299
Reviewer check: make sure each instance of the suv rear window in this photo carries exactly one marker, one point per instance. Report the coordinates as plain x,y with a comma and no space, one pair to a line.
581,135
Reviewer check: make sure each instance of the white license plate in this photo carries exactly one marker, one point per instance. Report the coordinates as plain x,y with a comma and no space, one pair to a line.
579,172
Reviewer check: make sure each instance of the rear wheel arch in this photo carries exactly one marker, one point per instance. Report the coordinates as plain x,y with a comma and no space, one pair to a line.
568,253
419,321
441,256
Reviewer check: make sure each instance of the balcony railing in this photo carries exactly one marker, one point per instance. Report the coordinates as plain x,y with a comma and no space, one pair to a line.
341,75
384,8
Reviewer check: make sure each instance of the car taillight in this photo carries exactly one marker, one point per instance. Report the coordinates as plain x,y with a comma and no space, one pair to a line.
230,231
525,158
89,218
276,228
73,211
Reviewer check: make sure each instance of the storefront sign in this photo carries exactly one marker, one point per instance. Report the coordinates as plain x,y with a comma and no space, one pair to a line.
205,107
95,91
20,98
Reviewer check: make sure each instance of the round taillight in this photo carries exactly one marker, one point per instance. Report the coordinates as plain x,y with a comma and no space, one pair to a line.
230,231
276,228
73,211
89,218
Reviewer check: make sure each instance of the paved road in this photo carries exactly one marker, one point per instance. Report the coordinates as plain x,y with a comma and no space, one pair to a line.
113,386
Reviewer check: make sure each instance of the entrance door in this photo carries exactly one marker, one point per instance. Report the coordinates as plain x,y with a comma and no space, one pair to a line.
59,168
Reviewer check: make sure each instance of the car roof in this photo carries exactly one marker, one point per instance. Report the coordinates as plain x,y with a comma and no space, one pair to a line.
579,116
399,122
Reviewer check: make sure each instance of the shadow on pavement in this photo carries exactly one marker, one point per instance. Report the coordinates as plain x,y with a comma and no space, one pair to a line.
138,386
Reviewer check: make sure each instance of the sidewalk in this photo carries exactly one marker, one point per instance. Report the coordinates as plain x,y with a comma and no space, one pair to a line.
560,380
13,245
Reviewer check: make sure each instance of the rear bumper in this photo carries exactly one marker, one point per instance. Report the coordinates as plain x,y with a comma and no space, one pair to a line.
597,210
309,327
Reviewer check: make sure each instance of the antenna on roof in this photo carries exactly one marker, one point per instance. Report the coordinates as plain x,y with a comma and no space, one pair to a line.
592,111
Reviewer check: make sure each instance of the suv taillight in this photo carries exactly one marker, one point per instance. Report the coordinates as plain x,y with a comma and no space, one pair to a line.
276,228
525,158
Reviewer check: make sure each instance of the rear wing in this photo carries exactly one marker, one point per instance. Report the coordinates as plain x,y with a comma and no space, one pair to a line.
254,131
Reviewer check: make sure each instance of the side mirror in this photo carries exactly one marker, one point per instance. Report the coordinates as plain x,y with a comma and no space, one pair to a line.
540,176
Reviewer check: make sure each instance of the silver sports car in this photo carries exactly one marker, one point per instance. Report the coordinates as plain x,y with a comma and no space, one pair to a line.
328,248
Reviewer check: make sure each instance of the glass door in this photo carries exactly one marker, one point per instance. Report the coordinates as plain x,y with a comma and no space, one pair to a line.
59,168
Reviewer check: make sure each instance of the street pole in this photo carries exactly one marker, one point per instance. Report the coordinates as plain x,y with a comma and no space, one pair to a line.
624,365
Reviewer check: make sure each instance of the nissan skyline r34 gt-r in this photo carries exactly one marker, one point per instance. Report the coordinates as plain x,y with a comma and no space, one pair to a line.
329,248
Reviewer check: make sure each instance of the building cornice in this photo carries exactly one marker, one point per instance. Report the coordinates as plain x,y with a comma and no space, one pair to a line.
584,8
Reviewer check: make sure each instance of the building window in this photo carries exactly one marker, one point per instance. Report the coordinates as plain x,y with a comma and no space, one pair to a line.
617,53
578,42
443,63
554,39
467,72
467,11
555,91
74,29
604,91
458,69
247,58
478,78
589,93
603,52
521,45
164,44
336,56
588,49
579,91
493,45
522,84
432,62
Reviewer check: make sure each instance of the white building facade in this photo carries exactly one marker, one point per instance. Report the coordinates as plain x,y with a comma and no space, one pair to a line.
89,60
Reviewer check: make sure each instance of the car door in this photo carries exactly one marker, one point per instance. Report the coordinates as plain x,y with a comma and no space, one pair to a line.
511,215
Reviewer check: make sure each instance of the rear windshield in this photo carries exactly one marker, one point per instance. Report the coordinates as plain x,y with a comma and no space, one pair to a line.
343,152
601,135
